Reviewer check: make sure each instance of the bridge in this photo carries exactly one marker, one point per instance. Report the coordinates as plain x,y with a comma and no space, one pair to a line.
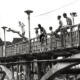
35,60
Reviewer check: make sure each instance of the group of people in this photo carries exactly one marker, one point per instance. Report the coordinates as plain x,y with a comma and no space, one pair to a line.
43,31
43,34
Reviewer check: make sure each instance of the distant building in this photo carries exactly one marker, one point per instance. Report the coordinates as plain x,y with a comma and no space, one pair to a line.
1,42
16,40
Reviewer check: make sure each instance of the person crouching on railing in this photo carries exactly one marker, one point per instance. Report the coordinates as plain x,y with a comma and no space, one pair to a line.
60,26
43,33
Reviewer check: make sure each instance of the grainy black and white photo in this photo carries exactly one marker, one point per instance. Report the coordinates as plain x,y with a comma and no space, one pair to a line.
39,39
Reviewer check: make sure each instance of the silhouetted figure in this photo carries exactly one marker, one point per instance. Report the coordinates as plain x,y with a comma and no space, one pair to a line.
53,33
60,24
50,28
22,28
68,20
36,31
43,32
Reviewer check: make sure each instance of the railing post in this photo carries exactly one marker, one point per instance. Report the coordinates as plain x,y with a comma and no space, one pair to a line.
61,38
51,42
55,43
71,38
79,35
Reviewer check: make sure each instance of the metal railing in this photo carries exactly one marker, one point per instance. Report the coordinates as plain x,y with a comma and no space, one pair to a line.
72,39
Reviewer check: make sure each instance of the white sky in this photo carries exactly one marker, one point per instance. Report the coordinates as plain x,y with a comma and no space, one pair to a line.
12,11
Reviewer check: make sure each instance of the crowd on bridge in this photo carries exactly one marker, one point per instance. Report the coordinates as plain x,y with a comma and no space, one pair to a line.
43,33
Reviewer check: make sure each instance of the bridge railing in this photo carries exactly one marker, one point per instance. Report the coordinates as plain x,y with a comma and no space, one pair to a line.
72,39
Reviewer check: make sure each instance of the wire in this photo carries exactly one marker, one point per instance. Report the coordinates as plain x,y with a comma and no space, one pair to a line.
57,8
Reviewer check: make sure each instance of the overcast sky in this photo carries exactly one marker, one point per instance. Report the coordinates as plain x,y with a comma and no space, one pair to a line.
12,11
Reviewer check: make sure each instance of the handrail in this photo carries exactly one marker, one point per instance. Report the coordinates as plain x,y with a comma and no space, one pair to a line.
69,26
65,41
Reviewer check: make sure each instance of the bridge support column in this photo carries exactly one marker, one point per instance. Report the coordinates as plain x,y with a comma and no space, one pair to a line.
45,66
18,72
66,76
28,72
39,71
25,69
12,69
52,64
75,76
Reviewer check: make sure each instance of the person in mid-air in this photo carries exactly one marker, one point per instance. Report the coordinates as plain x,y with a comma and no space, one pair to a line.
14,31
22,28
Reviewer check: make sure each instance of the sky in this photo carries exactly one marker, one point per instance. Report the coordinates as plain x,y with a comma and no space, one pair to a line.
45,12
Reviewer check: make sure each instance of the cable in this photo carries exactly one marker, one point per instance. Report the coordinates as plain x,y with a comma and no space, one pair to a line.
57,8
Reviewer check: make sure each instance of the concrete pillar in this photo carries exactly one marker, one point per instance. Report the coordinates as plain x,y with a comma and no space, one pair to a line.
66,76
52,64
17,71
39,71
75,76
32,75
25,69
19,74
12,69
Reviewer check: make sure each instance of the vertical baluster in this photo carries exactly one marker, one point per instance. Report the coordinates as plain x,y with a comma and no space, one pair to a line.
47,42
50,41
10,50
55,43
33,47
79,35
71,38
61,38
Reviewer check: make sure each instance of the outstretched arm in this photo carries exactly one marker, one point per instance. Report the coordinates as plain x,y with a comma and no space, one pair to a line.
12,30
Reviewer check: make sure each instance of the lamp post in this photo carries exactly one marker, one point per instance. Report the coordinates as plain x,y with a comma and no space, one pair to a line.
4,28
73,14
28,13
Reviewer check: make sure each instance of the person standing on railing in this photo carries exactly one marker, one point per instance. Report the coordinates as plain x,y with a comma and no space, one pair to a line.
43,32
68,20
